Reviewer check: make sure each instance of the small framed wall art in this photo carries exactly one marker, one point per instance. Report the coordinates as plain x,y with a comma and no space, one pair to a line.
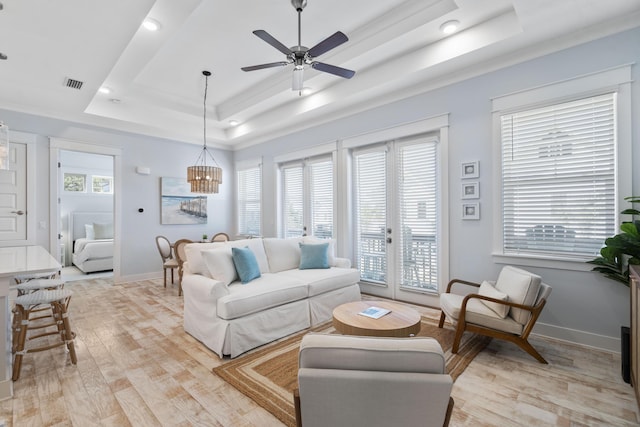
470,190
471,211
471,169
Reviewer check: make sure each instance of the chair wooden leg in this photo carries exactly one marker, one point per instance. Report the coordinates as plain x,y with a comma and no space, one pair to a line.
442,317
23,325
296,404
172,282
447,418
66,334
458,337
165,277
524,344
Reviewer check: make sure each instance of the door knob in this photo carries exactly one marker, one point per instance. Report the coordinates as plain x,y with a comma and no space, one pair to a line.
18,212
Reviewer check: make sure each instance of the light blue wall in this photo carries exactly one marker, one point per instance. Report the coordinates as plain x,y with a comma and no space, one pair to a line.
583,305
166,158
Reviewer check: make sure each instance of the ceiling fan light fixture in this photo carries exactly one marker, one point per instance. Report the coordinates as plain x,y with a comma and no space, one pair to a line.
205,178
150,24
450,27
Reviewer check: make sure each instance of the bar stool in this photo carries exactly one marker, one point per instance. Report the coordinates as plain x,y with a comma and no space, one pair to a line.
58,300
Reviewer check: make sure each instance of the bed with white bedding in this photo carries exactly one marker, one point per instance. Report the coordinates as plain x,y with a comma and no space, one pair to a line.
92,237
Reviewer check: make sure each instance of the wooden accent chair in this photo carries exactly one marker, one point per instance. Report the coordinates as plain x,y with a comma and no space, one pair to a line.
507,310
168,261
361,381
178,249
220,237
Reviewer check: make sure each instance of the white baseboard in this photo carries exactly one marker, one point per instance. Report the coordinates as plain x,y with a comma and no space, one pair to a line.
588,339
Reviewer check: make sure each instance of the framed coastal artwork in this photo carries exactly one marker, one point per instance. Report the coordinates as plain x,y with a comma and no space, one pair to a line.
179,205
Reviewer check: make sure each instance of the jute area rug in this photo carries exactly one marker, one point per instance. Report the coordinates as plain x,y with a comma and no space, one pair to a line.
269,375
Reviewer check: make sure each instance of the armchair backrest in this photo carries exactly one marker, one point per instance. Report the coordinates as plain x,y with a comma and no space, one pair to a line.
366,381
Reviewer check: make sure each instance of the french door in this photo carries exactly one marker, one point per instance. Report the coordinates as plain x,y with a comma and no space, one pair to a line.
396,193
307,198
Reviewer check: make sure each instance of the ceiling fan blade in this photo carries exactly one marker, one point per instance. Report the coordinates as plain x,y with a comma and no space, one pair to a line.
332,69
261,66
298,79
327,44
272,41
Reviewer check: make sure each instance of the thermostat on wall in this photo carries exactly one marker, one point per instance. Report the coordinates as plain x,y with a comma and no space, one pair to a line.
143,171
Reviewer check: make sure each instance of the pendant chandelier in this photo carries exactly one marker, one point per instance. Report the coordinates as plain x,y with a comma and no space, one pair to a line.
202,177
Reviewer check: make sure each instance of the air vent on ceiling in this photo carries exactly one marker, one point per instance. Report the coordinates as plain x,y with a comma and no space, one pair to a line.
74,84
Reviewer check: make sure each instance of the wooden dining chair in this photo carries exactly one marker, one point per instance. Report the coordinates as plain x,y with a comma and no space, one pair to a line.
168,261
220,237
178,249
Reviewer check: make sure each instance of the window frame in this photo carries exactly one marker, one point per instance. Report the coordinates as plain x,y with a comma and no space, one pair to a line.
616,80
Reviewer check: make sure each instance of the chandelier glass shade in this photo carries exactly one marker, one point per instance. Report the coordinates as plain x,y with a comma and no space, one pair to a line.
205,176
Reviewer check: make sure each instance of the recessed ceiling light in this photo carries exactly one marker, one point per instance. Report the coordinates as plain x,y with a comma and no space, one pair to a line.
151,24
234,122
449,27
104,90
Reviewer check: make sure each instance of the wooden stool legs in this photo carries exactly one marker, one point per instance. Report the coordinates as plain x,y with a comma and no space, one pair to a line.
59,300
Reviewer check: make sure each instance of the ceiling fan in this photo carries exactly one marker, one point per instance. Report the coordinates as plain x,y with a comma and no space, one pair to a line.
301,55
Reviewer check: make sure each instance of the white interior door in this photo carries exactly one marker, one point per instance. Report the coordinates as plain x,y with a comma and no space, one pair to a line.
13,195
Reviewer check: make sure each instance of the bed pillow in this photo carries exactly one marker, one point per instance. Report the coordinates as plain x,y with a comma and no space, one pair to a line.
88,232
246,264
103,231
314,256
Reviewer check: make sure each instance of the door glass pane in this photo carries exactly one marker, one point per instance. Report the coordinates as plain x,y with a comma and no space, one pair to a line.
371,215
321,176
293,208
417,198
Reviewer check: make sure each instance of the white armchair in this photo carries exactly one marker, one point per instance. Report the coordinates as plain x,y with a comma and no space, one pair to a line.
507,309
369,382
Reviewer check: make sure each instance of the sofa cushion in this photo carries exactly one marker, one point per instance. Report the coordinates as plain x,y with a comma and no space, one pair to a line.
267,291
487,290
522,288
219,262
245,263
193,252
282,254
324,280
314,256
477,313
256,247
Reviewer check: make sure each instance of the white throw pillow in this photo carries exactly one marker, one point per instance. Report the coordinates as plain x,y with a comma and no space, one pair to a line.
258,250
283,254
88,232
487,290
522,287
193,253
102,231
220,264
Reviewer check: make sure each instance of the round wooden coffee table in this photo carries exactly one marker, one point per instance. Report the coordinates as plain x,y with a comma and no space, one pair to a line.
403,321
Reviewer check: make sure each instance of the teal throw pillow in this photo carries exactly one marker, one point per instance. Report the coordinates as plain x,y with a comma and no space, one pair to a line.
314,256
246,264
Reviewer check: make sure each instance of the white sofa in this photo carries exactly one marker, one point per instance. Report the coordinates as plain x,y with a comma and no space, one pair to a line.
231,317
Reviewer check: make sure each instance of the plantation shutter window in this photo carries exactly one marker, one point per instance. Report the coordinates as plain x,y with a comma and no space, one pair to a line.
293,203
559,177
321,198
249,201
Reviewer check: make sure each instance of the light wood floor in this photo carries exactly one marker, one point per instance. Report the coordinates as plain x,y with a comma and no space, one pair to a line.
137,366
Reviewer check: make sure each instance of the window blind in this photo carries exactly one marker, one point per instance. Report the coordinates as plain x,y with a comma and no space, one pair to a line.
558,177
249,201
417,171
371,213
321,198
293,202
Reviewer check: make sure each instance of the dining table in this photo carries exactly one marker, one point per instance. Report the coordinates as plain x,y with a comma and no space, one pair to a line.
16,260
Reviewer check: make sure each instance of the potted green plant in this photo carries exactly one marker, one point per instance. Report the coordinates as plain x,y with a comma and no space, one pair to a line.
204,237
622,249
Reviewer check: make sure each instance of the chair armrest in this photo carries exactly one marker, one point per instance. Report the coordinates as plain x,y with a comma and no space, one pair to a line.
498,301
